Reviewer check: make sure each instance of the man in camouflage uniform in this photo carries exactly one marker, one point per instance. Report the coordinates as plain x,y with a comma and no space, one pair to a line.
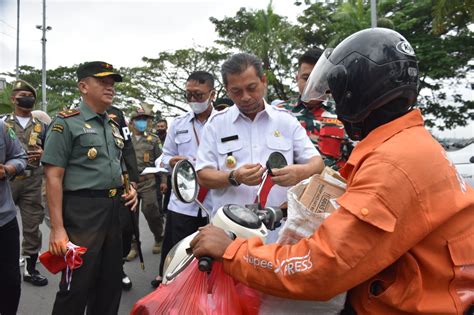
319,119
26,188
147,149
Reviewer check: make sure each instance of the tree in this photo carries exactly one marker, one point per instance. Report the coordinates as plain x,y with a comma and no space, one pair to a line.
443,52
162,80
267,35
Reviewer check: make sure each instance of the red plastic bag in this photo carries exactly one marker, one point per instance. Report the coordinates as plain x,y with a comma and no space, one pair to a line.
196,292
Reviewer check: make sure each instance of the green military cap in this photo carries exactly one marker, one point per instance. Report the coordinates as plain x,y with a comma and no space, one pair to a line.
140,112
22,85
97,69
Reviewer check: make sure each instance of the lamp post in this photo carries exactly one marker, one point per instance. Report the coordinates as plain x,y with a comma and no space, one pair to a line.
44,28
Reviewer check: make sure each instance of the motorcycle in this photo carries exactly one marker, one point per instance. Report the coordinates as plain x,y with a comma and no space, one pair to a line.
254,220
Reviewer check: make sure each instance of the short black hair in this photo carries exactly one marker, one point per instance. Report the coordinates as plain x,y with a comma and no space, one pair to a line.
162,120
311,56
202,77
238,63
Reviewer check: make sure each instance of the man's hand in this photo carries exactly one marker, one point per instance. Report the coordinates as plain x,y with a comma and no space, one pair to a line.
211,241
289,175
35,155
6,170
175,160
163,188
131,199
57,241
249,174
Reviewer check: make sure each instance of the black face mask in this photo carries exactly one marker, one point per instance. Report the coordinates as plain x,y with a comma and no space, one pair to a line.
26,101
161,132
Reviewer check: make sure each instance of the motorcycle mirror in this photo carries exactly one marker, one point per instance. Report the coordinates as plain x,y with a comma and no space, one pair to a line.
276,160
184,181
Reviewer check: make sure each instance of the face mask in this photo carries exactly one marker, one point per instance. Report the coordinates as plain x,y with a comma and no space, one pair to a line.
26,101
161,132
199,107
140,125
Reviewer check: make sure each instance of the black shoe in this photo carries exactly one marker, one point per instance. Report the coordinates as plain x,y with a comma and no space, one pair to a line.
155,283
35,278
32,275
126,283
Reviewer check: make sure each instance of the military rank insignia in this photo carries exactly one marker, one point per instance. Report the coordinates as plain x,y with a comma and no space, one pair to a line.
11,133
58,128
146,157
33,138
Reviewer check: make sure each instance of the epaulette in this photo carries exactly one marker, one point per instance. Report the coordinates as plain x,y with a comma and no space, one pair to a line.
218,113
69,113
111,120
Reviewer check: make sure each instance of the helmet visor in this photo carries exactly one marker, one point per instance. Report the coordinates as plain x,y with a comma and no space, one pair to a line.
316,88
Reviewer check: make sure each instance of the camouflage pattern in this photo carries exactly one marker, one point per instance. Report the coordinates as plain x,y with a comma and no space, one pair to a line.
323,128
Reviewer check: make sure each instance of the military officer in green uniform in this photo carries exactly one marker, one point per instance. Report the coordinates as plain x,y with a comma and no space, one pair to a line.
26,188
147,149
82,158
319,119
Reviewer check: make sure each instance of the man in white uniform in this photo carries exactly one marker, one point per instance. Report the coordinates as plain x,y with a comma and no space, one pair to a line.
181,143
237,142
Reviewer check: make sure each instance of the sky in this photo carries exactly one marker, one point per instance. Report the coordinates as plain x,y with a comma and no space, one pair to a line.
119,32
122,32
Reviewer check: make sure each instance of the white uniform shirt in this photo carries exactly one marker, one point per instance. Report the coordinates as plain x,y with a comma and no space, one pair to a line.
181,140
230,132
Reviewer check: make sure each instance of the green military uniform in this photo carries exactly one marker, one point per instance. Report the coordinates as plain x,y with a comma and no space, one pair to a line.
89,146
323,128
26,188
147,150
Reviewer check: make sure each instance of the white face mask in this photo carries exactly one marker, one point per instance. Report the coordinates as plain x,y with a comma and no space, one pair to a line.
199,107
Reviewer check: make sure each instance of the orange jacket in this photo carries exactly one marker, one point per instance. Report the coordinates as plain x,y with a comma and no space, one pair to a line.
402,240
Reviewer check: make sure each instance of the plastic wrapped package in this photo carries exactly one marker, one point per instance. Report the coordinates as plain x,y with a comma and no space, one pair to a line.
300,223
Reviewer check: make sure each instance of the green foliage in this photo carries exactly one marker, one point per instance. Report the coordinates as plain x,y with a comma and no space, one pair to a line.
437,29
162,80
270,37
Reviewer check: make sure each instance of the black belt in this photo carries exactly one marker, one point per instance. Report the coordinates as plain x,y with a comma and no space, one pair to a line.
90,193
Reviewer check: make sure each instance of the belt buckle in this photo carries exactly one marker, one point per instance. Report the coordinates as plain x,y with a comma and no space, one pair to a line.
112,192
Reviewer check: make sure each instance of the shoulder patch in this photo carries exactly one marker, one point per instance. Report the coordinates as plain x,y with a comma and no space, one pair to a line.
69,113
11,133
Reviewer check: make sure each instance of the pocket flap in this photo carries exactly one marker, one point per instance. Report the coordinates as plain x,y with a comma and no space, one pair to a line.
182,138
229,146
461,250
90,140
278,143
369,208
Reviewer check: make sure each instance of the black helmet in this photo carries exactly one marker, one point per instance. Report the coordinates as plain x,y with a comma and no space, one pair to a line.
367,70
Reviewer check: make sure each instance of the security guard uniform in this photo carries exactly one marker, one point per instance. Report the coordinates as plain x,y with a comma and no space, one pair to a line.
147,150
26,188
89,147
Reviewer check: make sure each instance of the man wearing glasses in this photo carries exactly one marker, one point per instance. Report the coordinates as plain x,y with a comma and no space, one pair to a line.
182,143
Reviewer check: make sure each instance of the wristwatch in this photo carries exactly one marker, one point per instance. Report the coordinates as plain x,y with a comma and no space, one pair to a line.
232,179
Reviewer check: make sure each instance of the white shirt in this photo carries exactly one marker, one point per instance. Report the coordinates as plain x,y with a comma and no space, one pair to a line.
181,140
231,132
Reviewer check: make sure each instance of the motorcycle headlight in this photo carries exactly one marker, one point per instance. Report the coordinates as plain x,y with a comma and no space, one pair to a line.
242,215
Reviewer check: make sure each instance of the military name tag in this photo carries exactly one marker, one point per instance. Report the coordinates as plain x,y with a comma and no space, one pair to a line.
89,130
92,153
178,132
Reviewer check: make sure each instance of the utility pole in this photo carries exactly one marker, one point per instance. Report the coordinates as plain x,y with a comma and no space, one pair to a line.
373,13
17,39
44,28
